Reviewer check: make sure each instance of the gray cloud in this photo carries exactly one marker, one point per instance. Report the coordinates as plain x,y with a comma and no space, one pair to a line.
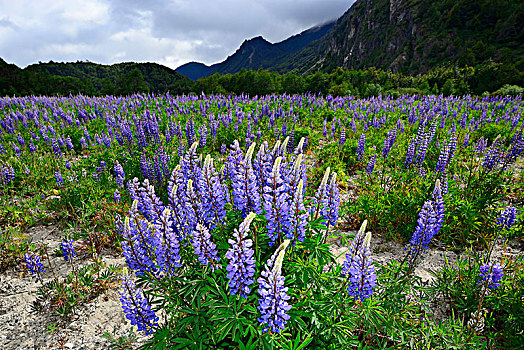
170,32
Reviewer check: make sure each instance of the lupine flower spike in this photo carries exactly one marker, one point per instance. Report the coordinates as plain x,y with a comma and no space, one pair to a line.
34,264
68,249
273,303
241,267
359,266
136,307
492,274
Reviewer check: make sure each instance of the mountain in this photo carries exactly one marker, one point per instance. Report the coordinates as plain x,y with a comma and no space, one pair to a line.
413,36
194,70
256,53
153,76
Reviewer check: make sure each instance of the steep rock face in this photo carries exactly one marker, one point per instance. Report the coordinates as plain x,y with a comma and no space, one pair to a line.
413,36
372,33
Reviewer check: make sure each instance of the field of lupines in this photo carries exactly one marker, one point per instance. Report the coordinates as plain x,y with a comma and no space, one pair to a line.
225,210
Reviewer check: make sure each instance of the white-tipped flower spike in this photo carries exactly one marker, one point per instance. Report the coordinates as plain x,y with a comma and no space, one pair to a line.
127,226
190,187
244,226
134,206
262,148
249,153
276,167
207,160
173,191
276,147
363,227
367,240
298,163
193,147
323,183
283,147
300,146
333,181
280,252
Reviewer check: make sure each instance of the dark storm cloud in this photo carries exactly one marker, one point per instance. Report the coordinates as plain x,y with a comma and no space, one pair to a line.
168,32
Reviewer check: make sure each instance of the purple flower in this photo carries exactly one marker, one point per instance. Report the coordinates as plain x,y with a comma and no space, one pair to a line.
167,247
241,266
298,215
245,190
491,273
507,219
342,137
68,249
116,196
438,202
212,194
331,203
276,205
273,303
136,307
120,175
424,231
58,178
7,173
371,164
205,249
361,146
34,264
410,153
359,267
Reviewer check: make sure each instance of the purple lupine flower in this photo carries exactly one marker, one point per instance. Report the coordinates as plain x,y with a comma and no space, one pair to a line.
167,247
83,143
276,205
34,264
245,190
331,203
7,173
424,231
68,165
492,273
273,303
58,178
120,175
203,136
32,146
324,132
223,149
361,146
68,249
205,249
212,194
137,243
371,164
508,218
116,196
438,203
342,137
137,308
56,148
291,142
360,270
493,155
466,140
241,266
298,215
481,145
410,152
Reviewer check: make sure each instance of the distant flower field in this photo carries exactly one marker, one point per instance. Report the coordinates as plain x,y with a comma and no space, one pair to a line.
225,209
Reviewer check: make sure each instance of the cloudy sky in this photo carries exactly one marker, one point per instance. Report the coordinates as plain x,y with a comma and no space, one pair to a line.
170,32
